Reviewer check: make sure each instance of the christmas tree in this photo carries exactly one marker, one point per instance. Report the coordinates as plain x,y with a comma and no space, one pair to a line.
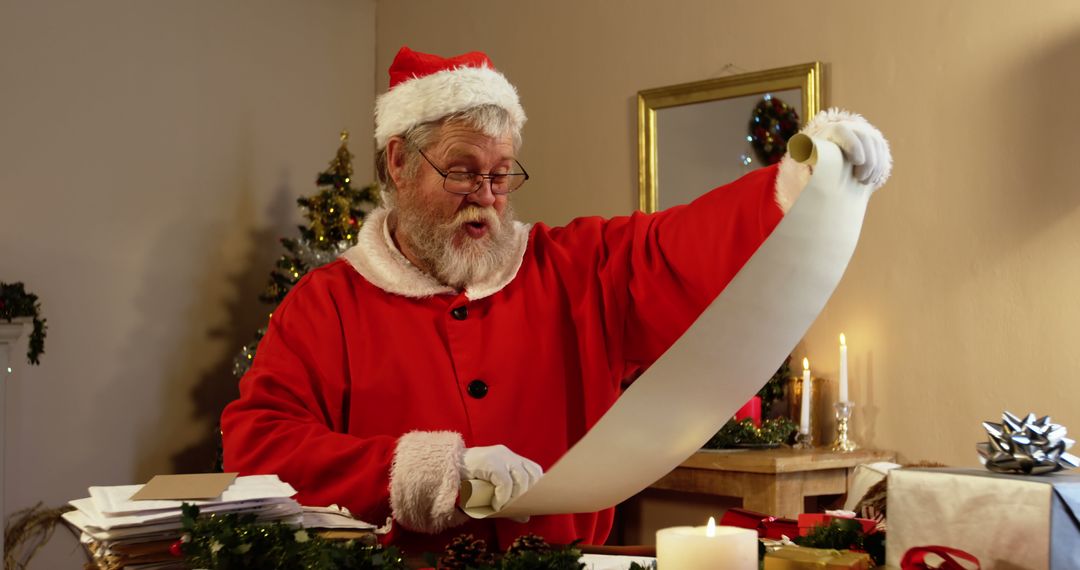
334,216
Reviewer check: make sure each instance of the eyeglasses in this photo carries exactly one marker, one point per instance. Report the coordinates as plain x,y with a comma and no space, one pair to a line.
465,183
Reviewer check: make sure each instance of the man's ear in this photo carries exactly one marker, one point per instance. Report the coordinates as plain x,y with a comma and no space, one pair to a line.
395,159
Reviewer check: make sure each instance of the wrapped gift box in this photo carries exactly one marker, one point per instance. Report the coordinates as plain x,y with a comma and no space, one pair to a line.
767,526
810,521
1006,521
800,558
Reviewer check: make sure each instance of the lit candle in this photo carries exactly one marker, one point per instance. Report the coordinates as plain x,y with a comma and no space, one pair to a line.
707,548
804,409
843,369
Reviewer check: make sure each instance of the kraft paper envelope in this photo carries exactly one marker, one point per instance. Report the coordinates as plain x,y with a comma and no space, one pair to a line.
178,487
719,363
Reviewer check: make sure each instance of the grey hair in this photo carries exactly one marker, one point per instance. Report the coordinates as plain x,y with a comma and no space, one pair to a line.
492,120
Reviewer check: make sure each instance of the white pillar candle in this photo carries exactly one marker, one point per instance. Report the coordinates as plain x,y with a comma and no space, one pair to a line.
707,548
804,409
843,395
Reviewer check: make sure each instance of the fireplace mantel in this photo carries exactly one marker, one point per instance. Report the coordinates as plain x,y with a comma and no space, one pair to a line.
10,333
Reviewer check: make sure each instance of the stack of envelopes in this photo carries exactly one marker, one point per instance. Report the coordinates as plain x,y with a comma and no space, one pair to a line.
122,531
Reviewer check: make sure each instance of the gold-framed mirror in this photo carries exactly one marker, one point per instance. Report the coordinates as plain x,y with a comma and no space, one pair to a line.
695,136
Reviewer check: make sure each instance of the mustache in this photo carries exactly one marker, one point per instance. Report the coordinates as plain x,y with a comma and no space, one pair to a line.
477,214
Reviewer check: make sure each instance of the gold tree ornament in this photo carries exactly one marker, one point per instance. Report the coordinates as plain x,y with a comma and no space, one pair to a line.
342,162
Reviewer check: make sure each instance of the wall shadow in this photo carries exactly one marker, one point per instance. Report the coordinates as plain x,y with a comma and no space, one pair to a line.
216,387
1036,114
185,343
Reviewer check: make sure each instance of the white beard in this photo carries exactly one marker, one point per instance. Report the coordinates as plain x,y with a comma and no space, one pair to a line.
467,261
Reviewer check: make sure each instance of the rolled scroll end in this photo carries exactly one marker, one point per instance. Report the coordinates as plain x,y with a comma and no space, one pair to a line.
802,150
475,498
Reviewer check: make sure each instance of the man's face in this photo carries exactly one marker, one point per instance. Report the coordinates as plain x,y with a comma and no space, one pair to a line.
459,239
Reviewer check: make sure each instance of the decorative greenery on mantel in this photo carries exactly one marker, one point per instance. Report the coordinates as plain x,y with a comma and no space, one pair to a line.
15,302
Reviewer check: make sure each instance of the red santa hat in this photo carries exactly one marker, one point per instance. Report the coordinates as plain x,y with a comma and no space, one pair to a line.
425,87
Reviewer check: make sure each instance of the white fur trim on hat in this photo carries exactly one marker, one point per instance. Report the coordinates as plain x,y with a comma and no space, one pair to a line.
424,480
378,260
432,97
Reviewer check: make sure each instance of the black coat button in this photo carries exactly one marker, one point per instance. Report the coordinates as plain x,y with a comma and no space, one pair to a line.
460,313
478,389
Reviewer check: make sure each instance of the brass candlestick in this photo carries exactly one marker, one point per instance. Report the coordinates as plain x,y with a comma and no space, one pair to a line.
843,416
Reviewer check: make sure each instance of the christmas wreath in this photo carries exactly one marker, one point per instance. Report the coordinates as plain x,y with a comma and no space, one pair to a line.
15,302
772,123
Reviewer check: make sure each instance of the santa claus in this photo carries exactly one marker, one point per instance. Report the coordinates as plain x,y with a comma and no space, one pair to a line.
454,342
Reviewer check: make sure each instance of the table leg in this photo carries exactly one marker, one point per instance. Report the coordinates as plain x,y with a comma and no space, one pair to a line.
779,495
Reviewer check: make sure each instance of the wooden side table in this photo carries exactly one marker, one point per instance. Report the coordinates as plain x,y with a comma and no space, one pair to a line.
771,481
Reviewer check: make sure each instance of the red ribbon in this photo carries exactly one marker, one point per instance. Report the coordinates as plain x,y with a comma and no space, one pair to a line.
915,558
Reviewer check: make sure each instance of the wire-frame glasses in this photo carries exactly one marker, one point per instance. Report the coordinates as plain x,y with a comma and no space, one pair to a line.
465,183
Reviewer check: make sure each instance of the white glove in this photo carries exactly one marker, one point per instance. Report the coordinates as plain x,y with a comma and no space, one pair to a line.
862,144
510,473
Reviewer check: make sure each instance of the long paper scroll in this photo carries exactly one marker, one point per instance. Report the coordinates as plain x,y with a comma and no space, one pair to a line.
719,363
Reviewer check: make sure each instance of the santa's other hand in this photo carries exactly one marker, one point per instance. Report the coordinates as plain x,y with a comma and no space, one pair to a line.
862,144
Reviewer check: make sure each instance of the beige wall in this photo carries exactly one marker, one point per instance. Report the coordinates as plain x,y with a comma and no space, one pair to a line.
962,298
150,156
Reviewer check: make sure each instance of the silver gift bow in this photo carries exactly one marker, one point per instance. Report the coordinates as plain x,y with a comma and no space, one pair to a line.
1029,446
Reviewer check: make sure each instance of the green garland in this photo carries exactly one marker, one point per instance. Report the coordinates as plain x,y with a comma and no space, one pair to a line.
773,390
773,431
15,302
566,558
234,541
846,534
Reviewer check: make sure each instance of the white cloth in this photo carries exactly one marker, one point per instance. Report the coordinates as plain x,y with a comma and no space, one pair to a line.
866,475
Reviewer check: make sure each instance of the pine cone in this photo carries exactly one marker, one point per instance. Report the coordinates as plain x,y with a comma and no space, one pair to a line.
528,543
466,551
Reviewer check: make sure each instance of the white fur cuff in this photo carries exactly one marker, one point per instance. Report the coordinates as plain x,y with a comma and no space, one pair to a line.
792,177
821,122
424,481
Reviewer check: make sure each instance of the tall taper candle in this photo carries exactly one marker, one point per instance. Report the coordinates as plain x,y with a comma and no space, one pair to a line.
843,396
804,409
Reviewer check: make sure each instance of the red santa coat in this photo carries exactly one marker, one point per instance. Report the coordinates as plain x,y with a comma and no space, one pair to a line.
373,378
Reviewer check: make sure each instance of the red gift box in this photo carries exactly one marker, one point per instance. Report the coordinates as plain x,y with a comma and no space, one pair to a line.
808,521
766,526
